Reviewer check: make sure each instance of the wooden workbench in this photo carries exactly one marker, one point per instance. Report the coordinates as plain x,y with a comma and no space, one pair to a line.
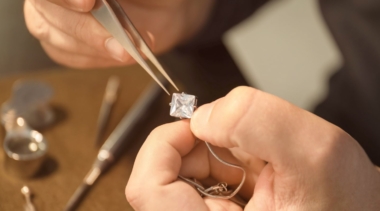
77,100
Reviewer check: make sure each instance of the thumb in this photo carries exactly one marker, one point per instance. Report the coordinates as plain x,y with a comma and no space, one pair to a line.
264,126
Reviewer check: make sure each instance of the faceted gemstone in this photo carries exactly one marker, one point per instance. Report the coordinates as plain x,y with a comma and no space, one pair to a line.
182,105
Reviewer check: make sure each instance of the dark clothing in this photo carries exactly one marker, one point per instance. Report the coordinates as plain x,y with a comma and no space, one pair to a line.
353,102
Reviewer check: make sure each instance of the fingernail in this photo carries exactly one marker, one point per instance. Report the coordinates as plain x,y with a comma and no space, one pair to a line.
82,5
77,4
115,49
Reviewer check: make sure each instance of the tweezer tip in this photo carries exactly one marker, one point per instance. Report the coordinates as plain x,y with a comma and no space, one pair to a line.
176,87
160,84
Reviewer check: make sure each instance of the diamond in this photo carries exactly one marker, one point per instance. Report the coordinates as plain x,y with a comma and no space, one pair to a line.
182,105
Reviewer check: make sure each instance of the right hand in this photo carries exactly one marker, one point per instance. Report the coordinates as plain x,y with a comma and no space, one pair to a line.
71,36
294,160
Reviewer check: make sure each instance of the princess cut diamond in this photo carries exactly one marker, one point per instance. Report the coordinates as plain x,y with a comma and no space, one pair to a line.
182,105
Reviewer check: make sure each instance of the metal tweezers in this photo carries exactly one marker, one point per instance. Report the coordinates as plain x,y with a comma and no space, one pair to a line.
113,18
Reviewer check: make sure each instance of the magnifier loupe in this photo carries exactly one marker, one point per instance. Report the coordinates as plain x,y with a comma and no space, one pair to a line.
25,149
26,110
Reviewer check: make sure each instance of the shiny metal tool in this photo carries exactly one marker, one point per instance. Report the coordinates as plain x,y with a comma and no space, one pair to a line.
28,197
109,99
113,18
112,145
25,149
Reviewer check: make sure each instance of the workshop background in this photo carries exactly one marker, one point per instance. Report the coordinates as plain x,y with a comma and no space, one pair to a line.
284,49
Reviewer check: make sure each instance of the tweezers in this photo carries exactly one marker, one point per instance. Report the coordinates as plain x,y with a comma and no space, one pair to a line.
111,15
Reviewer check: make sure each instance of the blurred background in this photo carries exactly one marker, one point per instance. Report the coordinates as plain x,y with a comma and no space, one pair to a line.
19,51
284,49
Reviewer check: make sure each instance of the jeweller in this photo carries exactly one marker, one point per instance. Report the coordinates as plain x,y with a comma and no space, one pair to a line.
183,106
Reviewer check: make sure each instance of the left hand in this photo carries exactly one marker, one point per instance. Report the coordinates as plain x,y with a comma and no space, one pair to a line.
71,36
312,164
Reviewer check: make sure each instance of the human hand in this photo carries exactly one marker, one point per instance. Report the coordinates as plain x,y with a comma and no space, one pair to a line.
153,185
312,164
71,36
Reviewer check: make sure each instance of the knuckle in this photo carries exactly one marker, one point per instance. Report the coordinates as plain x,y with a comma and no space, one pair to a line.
239,97
79,27
139,195
238,103
35,23
82,26
334,149
242,91
339,144
133,196
40,30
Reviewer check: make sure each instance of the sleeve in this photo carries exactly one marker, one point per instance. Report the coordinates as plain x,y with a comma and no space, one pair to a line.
353,101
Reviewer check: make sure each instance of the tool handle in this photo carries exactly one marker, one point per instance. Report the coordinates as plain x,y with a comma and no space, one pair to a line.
130,119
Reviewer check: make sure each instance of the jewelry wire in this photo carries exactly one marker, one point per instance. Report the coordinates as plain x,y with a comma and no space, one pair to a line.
201,189
227,164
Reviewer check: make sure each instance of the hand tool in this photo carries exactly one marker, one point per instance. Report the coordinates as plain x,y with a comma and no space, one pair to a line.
27,193
109,99
108,152
111,15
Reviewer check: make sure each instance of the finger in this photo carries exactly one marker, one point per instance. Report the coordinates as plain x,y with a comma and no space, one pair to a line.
43,31
196,164
84,27
81,26
264,192
165,167
152,184
265,126
203,166
77,5
76,60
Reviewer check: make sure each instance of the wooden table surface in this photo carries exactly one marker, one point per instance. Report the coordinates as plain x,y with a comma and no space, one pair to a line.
77,100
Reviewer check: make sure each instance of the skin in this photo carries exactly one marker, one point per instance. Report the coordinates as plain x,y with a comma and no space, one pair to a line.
71,36
312,164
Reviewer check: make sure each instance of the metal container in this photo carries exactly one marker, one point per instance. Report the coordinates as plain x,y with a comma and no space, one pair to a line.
25,150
